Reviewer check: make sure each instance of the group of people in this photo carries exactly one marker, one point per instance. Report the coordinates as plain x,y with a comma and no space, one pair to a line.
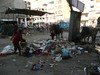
56,31
17,37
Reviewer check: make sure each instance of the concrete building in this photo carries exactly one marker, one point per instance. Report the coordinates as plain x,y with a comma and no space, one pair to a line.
91,12
60,8
97,10
5,4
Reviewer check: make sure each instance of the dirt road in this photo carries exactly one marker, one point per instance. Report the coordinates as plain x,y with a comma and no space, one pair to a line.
19,65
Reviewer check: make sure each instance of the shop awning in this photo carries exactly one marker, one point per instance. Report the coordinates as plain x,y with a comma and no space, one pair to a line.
26,12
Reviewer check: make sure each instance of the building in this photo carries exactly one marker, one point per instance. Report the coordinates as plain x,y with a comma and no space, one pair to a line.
60,8
97,10
5,4
91,12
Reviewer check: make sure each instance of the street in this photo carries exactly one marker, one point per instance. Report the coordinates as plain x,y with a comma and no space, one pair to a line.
15,64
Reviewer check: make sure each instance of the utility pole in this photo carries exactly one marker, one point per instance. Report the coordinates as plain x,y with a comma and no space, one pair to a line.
75,18
74,29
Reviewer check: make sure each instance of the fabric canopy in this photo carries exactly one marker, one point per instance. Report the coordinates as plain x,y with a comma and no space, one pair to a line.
26,12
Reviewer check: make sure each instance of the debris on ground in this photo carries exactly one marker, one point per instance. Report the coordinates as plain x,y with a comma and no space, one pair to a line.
7,49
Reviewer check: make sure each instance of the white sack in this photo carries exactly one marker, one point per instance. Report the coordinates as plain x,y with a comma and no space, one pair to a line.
8,49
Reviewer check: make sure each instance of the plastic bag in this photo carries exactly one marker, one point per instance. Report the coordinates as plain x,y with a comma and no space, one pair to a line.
99,68
65,52
8,49
58,58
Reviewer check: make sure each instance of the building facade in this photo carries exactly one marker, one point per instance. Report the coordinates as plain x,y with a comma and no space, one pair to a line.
5,4
91,12
60,8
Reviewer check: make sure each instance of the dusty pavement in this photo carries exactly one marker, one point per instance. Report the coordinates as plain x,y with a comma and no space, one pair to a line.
19,65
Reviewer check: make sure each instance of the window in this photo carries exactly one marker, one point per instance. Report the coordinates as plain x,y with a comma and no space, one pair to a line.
59,7
59,12
29,7
55,12
86,15
92,6
29,3
42,9
37,18
59,1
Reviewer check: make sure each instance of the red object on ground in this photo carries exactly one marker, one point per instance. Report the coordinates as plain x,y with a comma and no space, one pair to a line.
45,54
3,55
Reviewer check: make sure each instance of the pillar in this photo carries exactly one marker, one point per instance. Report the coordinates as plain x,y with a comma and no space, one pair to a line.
74,25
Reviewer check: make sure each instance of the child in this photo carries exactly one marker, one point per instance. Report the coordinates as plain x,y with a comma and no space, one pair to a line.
17,37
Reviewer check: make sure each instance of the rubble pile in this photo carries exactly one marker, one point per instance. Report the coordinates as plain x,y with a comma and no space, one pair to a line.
58,50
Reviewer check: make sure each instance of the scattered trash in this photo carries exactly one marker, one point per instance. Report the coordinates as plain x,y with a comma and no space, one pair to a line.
7,49
38,66
52,52
85,51
27,52
51,65
78,61
26,66
14,60
98,68
79,50
93,64
1,64
3,55
66,53
29,62
59,51
58,58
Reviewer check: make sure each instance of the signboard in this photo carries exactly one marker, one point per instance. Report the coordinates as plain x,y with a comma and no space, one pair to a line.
75,3
78,4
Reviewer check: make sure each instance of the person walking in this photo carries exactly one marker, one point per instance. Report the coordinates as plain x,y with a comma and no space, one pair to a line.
52,34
